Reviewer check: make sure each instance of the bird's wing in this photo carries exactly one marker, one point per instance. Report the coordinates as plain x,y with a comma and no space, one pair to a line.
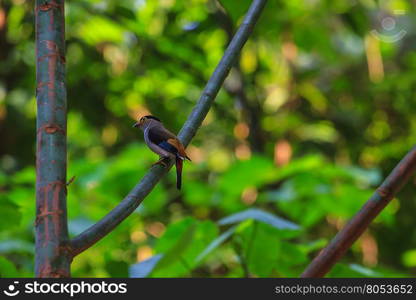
158,134
167,141
174,142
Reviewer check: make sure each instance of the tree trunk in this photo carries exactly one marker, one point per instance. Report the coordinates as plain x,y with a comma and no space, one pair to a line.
52,257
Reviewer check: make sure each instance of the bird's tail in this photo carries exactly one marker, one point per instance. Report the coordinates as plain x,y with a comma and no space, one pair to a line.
179,163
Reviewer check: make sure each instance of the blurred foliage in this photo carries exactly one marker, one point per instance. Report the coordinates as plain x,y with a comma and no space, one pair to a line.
316,112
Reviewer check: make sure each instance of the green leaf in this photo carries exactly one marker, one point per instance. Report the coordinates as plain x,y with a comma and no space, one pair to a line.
216,243
305,164
261,216
9,214
409,258
27,175
364,271
178,249
99,29
370,177
256,171
7,268
236,8
3,178
292,260
197,193
352,270
192,243
243,174
344,270
18,246
314,245
260,248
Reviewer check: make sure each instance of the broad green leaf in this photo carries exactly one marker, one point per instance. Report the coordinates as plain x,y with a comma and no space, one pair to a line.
254,172
261,247
178,249
197,193
216,243
99,29
7,268
183,262
305,164
10,215
241,175
261,216
27,175
236,9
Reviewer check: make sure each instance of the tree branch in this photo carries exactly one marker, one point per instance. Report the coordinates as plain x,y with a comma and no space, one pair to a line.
51,258
359,223
93,234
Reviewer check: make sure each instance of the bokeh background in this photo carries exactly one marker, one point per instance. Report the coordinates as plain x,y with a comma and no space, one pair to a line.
318,109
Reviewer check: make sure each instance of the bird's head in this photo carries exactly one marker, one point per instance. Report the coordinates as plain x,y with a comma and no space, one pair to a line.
145,121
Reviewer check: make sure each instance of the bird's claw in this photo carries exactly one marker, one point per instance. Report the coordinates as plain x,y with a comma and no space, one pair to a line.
161,161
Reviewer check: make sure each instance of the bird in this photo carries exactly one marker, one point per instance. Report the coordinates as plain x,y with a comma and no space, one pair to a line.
164,143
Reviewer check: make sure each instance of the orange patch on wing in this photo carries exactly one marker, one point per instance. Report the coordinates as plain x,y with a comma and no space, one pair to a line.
178,145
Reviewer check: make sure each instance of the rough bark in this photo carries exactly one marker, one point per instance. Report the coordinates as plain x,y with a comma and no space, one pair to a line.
52,258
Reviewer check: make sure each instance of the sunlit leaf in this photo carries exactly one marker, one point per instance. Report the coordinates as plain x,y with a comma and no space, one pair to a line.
409,258
99,29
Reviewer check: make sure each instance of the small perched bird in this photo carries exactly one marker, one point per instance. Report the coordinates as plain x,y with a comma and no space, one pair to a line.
163,142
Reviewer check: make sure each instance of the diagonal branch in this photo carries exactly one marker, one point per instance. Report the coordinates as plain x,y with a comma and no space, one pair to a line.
96,232
359,223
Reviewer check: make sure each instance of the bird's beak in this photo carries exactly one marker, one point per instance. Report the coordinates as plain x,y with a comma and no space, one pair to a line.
136,124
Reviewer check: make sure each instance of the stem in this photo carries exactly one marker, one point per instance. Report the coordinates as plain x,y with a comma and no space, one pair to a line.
241,258
359,223
251,241
96,232
52,258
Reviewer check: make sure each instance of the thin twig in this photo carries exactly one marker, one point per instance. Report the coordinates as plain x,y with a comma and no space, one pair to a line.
93,234
70,181
359,223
